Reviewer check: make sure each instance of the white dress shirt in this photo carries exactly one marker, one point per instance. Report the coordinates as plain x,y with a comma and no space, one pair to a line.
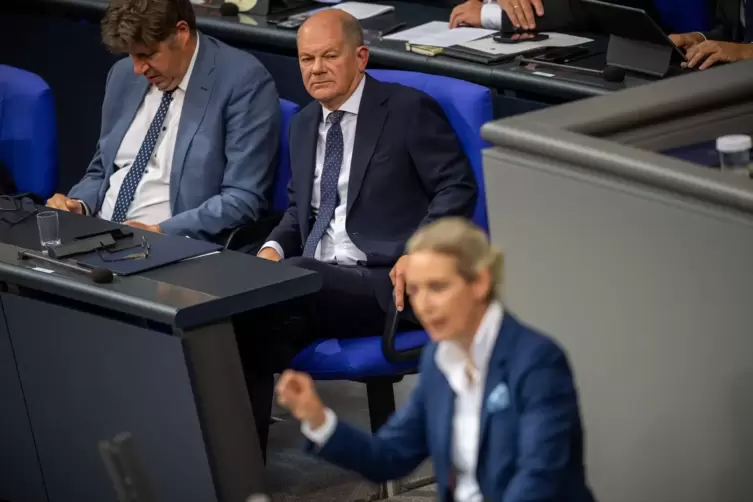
335,245
151,202
491,15
453,361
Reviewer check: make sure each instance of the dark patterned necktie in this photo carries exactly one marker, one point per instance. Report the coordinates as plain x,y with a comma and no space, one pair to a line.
133,178
333,161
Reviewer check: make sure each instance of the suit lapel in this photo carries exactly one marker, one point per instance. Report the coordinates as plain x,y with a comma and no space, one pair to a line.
371,117
303,159
132,103
497,372
443,407
194,106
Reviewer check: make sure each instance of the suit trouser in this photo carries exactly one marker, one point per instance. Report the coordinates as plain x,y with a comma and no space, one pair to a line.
268,339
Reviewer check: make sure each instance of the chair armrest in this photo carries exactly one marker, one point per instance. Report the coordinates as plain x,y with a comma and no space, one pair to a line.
250,237
391,353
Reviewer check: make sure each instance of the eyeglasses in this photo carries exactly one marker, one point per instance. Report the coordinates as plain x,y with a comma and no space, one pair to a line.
109,256
14,210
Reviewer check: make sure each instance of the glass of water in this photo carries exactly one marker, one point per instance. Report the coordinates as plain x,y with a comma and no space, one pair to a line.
49,229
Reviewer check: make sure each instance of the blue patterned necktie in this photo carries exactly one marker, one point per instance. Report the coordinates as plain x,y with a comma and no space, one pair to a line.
133,178
333,161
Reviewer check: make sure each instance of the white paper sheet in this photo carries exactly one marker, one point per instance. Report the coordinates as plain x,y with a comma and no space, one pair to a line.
489,46
420,31
439,34
362,10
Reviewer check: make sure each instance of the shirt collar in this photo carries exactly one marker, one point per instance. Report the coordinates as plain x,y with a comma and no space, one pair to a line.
451,358
352,104
183,86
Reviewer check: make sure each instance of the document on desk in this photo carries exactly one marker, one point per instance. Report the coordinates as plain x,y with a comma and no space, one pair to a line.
439,34
489,46
363,10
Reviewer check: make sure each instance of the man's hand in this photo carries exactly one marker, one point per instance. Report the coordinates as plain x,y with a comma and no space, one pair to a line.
144,226
711,52
686,40
397,276
466,14
522,13
296,392
269,254
60,201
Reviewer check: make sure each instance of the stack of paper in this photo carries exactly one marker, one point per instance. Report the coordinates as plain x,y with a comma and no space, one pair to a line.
439,34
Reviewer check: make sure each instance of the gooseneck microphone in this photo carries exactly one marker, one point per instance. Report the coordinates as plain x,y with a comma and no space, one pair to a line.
229,9
99,275
609,73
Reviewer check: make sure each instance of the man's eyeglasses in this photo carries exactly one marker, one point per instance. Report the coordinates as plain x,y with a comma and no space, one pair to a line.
114,256
14,210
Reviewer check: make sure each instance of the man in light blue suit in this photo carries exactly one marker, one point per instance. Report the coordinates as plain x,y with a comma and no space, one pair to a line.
190,128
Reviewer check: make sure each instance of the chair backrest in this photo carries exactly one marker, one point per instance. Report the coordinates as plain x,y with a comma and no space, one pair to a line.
682,16
467,106
282,175
28,131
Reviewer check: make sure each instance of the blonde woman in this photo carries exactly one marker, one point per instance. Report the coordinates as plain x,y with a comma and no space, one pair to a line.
495,406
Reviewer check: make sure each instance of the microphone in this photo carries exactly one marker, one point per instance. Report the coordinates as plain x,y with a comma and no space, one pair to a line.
609,73
229,9
99,275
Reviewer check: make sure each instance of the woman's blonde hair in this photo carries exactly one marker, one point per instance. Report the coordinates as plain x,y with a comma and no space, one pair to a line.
467,243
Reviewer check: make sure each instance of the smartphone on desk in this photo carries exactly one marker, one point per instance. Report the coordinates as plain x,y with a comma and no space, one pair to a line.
516,37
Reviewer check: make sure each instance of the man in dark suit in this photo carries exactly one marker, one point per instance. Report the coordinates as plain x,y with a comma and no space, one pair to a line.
518,14
729,41
371,162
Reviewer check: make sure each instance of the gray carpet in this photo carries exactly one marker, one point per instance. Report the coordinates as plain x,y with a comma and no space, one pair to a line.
292,475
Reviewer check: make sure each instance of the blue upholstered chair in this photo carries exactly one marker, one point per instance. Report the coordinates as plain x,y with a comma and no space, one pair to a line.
250,235
380,360
282,175
682,16
28,131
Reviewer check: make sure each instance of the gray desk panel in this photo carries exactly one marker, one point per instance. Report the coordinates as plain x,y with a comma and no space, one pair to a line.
20,474
87,378
194,292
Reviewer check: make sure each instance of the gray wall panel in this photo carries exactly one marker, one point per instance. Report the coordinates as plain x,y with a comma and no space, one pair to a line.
20,475
87,378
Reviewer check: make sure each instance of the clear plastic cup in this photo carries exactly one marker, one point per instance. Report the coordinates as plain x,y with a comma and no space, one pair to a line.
49,229
734,153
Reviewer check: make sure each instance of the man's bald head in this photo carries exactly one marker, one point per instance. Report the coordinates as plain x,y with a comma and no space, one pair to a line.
336,20
332,56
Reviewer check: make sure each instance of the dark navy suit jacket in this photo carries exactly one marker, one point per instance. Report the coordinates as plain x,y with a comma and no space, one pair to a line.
407,169
728,23
531,445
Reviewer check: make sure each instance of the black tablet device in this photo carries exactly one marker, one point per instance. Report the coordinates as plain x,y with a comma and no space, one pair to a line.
637,42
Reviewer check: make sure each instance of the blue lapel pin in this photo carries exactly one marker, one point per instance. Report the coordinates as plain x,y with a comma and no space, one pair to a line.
499,398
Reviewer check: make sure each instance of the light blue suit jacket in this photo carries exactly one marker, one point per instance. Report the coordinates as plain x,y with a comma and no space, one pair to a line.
531,444
225,153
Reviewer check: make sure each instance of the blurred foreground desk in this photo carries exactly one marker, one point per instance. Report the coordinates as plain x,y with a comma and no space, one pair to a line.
640,265
153,354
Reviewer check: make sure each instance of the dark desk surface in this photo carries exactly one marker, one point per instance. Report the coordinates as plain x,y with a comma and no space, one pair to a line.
191,293
255,31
